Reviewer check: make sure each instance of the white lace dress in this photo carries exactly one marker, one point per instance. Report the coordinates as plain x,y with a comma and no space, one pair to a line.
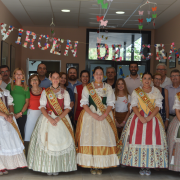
97,140
11,147
52,148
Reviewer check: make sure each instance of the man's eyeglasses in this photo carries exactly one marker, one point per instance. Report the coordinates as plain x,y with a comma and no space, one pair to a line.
2,72
174,76
157,79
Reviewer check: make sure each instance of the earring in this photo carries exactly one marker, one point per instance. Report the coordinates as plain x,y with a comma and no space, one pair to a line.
14,80
22,80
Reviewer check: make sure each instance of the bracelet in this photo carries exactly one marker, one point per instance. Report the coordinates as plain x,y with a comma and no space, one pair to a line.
11,113
105,114
167,119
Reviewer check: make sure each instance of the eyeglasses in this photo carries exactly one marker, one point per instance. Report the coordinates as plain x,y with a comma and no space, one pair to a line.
174,76
160,69
34,79
2,72
157,79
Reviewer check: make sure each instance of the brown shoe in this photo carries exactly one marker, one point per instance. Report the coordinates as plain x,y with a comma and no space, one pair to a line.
99,172
93,171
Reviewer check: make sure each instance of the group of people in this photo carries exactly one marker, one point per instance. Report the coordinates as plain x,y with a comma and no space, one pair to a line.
95,125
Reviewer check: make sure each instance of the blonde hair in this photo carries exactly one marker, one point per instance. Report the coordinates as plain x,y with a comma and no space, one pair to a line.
24,84
125,88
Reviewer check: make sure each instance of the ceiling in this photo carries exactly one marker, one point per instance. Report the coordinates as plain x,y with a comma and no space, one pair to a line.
83,12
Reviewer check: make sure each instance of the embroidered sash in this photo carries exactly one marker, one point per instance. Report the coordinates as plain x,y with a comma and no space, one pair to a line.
178,95
57,108
4,109
102,108
148,103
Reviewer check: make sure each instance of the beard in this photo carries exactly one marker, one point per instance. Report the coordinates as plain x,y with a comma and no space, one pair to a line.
133,72
72,78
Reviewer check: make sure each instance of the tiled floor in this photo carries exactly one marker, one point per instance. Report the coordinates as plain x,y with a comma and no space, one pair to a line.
118,173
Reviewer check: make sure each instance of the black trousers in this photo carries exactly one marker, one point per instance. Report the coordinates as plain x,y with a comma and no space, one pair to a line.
21,124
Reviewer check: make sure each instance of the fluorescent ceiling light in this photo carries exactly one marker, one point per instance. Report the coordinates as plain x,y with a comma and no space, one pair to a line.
120,12
65,10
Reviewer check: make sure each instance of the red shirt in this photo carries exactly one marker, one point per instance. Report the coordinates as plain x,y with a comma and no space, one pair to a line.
34,101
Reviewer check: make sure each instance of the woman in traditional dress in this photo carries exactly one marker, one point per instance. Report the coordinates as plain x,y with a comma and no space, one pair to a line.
173,136
63,84
122,105
11,143
96,133
33,112
143,140
84,77
20,93
165,104
52,148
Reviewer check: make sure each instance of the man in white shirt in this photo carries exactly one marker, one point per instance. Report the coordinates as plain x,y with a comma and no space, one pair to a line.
162,69
133,80
5,72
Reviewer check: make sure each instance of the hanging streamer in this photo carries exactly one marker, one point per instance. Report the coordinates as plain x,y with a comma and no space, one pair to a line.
73,50
5,34
149,54
46,44
173,49
29,40
116,53
102,45
55,45
19,36
161,52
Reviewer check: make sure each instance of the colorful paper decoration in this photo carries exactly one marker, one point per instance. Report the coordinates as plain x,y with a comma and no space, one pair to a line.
149,12
141,12
102,45
140,26
74,51
104,6
106,38
115,53
19,36
5,34
99,18
149,54
162,52
148,19
99,40
140,20
154,8
29,40
173,49
154,15
55,45
103,23
39,42
100,1
110,0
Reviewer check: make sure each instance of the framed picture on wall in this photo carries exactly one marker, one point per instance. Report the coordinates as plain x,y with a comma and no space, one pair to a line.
12,58
75,65
4,53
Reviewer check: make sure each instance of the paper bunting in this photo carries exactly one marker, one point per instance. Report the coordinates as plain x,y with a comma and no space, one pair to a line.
161,52
141,12
140,26
106,38
148,19
102,37
29,40
103,23
99,40
140,20
19,36
55,45
99,18
39,42
116,52
110,0
173,49
154,8
102,45
73,50
149,54
100,1
154,15
5,34
149,12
